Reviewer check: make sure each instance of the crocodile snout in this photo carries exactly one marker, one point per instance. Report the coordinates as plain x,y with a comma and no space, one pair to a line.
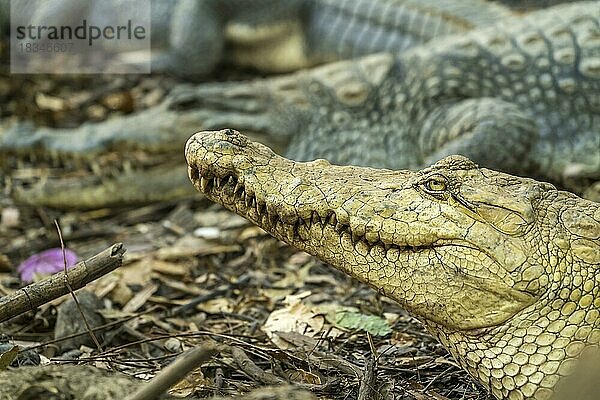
219,151
213,155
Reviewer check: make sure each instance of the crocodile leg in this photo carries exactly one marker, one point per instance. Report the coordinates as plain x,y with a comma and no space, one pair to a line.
472,128
337,29
383,114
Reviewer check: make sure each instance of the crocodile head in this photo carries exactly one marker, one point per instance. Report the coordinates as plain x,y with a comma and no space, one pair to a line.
479,256
449,243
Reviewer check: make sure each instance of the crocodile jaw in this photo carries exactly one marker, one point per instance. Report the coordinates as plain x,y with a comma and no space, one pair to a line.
373,224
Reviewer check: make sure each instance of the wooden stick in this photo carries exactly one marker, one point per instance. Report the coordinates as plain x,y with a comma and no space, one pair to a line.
34,295
176,371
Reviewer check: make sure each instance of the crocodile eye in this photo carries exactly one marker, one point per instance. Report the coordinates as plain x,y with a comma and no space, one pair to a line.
436,184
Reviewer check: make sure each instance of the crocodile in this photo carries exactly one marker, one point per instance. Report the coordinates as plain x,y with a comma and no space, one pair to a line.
191,37
520,96
503,270
351,27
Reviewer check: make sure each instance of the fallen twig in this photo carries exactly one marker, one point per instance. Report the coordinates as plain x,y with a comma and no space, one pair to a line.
175,371
368,389
252,370
72,292
34,295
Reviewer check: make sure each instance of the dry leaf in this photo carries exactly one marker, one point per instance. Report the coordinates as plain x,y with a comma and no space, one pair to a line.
275,294
140,298
251,232
296,317
46,102
5,265
207,232
8,356
187,386
189,246
294,277
301,376
136,273
215,306
169,268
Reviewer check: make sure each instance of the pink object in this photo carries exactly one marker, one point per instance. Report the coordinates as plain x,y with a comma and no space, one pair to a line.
47,262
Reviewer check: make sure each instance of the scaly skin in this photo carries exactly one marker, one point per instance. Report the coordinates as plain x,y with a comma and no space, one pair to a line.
335,29
153,185
521,97
193,36
503,270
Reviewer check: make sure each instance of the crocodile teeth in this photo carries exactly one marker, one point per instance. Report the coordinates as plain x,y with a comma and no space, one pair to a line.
203,184
315,217
279,225
289,231
273,217
331,219
260,207
264,219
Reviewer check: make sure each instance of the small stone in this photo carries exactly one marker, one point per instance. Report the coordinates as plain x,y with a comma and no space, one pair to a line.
9,217
173,345
69,320
208,232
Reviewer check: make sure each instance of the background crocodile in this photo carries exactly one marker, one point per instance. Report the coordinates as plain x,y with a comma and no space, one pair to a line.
191,37
164,129
502,270
520,97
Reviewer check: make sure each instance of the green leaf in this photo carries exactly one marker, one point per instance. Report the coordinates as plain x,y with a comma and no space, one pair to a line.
369,323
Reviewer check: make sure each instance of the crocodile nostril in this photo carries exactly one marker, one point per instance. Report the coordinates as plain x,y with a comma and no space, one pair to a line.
234,137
